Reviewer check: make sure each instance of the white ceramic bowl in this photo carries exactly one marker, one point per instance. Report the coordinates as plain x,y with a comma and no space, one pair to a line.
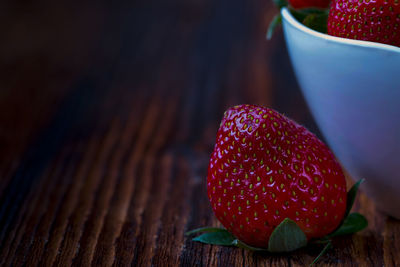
353,90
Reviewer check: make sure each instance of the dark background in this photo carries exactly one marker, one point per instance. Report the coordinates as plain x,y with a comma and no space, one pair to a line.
108,115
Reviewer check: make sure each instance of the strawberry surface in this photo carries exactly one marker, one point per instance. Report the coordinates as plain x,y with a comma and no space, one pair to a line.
265,168
309,3
368,20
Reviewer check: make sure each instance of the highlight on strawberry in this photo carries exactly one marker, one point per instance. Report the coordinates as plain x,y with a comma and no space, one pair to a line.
275,186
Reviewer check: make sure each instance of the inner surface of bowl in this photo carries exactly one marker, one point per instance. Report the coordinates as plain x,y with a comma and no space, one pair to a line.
353,90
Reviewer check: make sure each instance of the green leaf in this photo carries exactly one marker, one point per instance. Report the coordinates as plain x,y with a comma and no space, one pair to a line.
351,196
317,22
276,21
323,252
240,244
223,238
301,14
353,223
287,236
205,229
280,3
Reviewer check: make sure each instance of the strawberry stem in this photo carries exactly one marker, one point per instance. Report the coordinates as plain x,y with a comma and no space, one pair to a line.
323,252
276,21
281,3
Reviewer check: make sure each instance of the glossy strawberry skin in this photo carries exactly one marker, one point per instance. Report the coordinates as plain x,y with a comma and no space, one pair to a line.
309,3
368,20
264,168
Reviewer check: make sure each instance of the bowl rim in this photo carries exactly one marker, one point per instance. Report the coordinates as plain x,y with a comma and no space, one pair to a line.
287,16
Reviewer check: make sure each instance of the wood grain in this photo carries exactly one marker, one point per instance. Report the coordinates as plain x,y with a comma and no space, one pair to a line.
108,114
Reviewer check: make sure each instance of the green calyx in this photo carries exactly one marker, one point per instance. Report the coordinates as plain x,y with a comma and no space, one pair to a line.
288,236
313,18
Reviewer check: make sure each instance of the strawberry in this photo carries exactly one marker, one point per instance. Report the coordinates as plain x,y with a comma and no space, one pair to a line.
309,3
266,168
368,20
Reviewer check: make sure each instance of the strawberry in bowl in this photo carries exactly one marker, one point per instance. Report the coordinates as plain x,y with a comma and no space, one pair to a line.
375,21
346,60
352,89
274,185
309,3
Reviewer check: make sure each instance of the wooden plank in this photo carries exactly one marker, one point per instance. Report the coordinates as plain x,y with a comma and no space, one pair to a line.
105,147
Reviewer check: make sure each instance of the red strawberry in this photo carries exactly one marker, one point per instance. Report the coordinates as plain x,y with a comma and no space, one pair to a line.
265,168
369,20
309,3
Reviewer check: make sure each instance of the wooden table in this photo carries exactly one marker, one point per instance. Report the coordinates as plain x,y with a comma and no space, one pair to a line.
108,115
